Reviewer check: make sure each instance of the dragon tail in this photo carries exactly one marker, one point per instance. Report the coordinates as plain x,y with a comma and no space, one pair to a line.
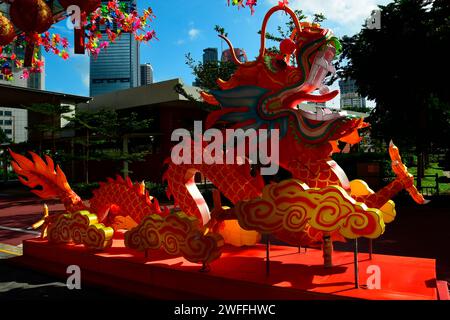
45,180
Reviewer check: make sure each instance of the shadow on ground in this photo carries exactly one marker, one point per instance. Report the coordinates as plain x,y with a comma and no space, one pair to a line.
17,283
417,231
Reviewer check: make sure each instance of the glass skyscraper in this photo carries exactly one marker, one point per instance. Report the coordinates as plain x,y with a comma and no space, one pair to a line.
210,55
117,66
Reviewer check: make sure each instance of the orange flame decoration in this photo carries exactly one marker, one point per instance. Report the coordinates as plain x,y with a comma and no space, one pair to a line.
291,205
43,173
81,227
177,234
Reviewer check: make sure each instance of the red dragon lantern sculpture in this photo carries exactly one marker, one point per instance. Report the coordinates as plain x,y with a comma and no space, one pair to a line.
316,206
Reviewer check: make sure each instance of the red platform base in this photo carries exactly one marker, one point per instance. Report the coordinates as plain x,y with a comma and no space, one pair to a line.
239,274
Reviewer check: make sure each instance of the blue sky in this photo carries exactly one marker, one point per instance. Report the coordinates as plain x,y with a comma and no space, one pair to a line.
188,26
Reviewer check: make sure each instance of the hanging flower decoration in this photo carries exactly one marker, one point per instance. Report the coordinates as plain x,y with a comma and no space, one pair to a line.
114,18
10,60
242,3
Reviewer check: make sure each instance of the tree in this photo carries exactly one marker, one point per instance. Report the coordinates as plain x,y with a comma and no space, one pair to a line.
104,134
50,120
397,66
208,73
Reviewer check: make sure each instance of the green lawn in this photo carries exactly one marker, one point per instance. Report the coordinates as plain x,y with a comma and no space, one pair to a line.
431,181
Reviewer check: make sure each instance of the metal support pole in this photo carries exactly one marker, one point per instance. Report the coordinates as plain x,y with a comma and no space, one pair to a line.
437,184
268,255
356,264
5,165
205,267
370,248
327,248
125,152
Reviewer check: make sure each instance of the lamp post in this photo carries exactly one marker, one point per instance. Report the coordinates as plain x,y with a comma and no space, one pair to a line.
13,120
5,146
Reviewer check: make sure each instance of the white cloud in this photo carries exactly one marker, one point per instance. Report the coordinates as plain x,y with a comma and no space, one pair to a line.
349,13
85,79
193,33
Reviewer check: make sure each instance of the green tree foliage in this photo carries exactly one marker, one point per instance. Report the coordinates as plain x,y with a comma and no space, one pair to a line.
358,109
102,134
50,114
400,66
208,73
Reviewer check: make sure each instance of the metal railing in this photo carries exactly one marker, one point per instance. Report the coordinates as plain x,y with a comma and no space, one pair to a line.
429,190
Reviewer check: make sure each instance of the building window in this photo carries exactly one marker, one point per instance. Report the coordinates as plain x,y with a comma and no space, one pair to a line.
8,122
1,122
1,113
8,113
8,131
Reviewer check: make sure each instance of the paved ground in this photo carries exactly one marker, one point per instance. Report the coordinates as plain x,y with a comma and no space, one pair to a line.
420,231
18,211
23,284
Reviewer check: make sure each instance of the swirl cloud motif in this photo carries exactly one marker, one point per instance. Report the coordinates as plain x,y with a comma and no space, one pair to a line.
178,234
80,227
291,205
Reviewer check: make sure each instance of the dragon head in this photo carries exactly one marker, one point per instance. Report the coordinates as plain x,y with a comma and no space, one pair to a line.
265,93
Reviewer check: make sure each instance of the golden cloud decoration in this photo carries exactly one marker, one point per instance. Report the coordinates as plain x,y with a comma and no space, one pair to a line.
292,206
80,227
178,234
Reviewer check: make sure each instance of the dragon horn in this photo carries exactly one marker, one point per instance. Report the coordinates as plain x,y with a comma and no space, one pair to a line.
233,54
142,187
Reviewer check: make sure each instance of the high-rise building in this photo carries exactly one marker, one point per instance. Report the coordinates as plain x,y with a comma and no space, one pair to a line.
117,67
37,80
317,104
14,123
146,74
240,54
210,55
350,98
